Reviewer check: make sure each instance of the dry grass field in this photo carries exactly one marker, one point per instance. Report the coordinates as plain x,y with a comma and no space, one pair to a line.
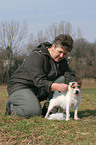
16,130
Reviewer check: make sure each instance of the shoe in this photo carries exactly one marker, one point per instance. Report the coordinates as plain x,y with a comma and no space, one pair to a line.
8,108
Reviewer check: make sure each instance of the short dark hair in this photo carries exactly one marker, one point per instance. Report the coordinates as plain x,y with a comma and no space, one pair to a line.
64,40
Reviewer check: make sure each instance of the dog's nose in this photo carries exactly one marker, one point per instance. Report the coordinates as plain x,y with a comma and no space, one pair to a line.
77,92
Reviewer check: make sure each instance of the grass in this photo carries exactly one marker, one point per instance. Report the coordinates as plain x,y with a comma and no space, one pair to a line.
16,130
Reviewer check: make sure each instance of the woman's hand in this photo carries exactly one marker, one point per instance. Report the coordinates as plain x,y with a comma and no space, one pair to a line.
62,87
59,87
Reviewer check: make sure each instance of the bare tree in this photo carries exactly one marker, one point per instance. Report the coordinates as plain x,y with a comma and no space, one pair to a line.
12,36
32,42
68,28
91,60
50,33
40,38
56,29
79,33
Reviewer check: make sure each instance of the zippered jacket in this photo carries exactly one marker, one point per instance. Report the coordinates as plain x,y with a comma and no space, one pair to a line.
39,71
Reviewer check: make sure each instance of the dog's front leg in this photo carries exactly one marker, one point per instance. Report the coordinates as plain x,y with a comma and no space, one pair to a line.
47,113
75,113
49,109
67,112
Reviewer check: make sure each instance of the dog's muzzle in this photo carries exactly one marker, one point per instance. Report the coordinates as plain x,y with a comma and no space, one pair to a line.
77,92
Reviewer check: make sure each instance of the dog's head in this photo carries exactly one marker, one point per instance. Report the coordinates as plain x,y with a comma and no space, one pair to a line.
75,87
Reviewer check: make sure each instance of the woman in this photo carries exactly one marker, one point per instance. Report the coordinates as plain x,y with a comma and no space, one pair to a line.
43,72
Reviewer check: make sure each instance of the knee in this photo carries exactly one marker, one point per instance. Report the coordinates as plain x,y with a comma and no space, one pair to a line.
61,79
34,112
26,112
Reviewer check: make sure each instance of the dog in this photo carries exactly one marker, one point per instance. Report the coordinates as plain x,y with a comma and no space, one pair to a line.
67,101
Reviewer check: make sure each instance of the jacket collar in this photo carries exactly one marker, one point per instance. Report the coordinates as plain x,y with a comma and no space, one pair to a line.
43,47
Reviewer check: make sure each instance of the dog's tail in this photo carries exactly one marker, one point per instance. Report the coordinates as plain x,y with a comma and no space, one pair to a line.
57,116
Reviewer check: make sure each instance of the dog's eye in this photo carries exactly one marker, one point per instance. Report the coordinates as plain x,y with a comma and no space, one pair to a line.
79,87
73,87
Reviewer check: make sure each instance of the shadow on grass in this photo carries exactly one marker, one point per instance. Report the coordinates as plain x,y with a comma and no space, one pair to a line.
85,113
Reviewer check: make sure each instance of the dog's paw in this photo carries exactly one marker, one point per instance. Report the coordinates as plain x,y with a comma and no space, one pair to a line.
76,118
46,116
67,119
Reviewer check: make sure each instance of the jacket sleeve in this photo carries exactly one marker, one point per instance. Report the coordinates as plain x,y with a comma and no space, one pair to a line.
68,74
35,68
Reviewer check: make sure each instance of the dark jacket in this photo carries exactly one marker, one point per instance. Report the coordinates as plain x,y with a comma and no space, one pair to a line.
39,71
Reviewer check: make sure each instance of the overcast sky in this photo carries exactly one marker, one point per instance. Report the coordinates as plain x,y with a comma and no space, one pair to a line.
39,14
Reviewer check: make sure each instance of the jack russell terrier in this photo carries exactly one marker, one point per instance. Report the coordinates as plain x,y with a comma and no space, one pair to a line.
67,101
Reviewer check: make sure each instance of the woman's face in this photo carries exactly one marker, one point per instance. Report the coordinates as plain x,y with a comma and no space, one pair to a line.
58,53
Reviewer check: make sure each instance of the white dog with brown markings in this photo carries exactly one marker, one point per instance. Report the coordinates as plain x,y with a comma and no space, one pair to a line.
67,101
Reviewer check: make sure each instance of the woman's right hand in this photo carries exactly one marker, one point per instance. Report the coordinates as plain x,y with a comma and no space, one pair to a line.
62,87
59,87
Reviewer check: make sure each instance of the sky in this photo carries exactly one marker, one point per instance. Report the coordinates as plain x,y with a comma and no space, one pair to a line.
39,14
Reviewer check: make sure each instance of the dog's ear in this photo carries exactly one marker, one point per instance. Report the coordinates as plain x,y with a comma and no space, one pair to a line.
71,83
79,83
